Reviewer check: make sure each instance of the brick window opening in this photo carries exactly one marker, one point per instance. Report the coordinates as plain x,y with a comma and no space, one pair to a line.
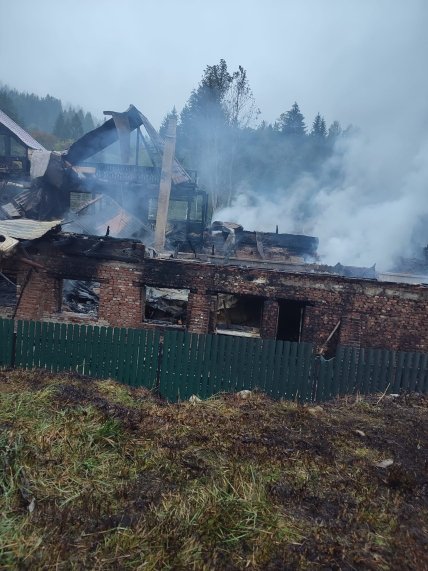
290,320
239,315
80,296
166,306
8,291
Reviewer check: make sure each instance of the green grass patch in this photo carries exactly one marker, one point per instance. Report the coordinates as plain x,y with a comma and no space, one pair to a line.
97,475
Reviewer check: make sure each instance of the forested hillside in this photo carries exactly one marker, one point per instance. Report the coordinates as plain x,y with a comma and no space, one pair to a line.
46,118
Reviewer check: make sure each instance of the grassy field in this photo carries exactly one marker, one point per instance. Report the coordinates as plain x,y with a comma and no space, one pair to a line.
95,475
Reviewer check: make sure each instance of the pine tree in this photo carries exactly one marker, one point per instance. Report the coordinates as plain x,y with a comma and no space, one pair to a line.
292,123
164,125
319,129
76,128
60,128
335,130
88,123
203,129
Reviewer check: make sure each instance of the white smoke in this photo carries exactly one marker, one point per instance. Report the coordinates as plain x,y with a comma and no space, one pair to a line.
377,213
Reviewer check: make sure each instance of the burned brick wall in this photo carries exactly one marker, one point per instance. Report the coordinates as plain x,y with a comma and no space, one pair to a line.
362,313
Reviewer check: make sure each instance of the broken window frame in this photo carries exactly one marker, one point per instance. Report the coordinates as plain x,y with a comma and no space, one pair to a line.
93,285
237,329
172,323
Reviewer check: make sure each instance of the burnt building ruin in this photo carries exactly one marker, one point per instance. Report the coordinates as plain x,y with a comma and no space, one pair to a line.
73,250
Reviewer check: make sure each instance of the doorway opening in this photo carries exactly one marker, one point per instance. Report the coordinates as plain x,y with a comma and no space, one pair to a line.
290,320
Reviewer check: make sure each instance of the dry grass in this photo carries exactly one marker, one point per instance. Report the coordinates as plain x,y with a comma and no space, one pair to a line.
95,475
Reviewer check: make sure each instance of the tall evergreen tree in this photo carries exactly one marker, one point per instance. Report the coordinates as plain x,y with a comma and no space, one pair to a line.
203,129
335,130
292,123
164,125
88,122
60,127
319,129
76,127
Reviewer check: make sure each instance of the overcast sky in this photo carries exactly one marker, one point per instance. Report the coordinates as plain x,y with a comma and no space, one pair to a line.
349,59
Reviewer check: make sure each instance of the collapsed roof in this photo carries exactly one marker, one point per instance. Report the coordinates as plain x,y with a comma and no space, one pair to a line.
25,137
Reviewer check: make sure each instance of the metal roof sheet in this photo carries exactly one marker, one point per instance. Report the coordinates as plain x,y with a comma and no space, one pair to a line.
19,132
26,229
8,245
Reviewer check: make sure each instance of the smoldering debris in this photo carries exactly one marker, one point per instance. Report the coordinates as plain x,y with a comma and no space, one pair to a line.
81,297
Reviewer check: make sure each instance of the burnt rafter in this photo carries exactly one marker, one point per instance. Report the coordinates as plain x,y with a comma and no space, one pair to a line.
100,248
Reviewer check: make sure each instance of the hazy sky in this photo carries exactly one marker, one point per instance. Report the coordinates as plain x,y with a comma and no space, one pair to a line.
349,59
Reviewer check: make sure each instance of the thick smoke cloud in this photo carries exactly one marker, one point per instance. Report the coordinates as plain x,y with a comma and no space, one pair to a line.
376,210
374,215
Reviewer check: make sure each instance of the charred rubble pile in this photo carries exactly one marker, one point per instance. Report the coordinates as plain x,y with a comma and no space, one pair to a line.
81,297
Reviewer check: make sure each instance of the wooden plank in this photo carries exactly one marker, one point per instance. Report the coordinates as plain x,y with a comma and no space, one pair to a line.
183,364
6,342
359,383
222,381
423,377
338,367
174,371
292,370
383,381
139,347
163,381
399,371
135,358
62,356
277,385
228,379
25,344
254,362
366,371
191,363
407,371
114,360
18,345
30,345
121,354
415,372
152,362
306,381
377,369
82,350
128,357
87,350
204,362
323,388
211,379
239,383
234,344
345,381
103,364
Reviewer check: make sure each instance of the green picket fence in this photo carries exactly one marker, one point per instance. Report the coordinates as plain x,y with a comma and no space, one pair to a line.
6,343
205,365
369,371
180,364
128,355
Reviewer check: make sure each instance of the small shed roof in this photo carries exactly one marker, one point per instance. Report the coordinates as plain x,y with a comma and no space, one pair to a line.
19,132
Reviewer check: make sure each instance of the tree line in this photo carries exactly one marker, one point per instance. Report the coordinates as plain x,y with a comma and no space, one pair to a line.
219,135
46,118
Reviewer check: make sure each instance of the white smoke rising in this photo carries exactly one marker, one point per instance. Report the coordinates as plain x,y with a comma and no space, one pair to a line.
376,214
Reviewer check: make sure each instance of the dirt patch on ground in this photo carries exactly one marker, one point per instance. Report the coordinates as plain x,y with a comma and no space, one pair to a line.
105,476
